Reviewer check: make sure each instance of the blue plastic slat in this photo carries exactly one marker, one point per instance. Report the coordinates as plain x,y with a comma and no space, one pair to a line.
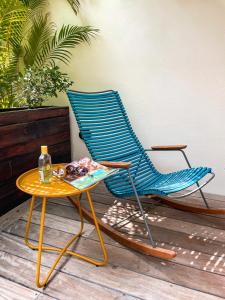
107,132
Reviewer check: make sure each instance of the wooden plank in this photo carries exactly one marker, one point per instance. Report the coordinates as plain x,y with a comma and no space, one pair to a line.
21,164
207,195
10,290
100,194
59,153
28,147
161,210
149,265
13,215
12,200
188,207
104,195
21,211
7,188
144,248
111,214
64,211
102,190
63,286
24,132
44,297
177,240
5,170
108,199
116,213
113,277
157,208
205,220
60,238
213,263
162,235
185,274
200,260
59,223
29,115
214,201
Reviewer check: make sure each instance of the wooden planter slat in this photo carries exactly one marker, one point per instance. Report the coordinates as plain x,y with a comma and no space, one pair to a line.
21,135
31,146
14,117
24,132
5,170
59,152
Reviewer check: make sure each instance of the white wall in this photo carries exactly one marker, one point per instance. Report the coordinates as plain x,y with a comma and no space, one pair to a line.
167,60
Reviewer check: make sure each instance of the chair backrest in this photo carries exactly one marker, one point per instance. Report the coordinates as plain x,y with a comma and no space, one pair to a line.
106,130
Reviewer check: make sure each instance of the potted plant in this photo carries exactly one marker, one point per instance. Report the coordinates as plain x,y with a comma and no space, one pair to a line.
28,39
36,85
30,48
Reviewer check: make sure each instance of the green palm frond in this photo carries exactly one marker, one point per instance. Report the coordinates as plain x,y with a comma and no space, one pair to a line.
34,7
12,17
7,6
75,4
33,4
37,38
29,38
67,38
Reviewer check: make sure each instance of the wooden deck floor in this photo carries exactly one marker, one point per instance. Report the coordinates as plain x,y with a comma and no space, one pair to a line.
198,271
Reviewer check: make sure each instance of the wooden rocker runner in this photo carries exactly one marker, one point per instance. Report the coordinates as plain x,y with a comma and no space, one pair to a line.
106,130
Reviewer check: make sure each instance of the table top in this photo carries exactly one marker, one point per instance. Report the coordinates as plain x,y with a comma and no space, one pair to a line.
29,183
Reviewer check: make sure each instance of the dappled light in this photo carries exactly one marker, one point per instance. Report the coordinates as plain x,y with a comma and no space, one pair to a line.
125,217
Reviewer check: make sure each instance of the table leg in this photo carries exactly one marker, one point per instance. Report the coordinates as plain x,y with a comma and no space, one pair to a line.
28,225
86,258
35,247
41,248
98,231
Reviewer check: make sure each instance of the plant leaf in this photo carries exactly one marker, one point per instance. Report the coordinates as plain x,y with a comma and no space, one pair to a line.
66,38
39,35
75,4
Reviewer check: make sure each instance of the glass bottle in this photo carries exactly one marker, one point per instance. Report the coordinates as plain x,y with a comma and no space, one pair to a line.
45,165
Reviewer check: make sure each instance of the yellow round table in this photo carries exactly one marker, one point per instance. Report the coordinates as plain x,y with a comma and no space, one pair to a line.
29,183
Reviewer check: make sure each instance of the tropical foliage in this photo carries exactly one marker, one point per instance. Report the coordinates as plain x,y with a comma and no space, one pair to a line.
37,84
28,39
75,4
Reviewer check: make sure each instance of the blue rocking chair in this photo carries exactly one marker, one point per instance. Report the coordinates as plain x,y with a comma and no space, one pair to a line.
106,130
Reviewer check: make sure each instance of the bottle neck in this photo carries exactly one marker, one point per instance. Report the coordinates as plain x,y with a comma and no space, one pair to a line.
44,150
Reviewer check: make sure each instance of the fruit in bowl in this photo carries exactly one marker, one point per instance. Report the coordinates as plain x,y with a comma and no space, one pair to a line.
81,168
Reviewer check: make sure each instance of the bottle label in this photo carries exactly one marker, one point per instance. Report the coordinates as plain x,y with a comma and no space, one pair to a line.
41,175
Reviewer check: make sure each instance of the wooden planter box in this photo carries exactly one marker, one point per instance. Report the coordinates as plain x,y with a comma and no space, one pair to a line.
22,132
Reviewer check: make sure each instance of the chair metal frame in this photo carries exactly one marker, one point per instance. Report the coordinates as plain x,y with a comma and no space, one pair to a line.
199,187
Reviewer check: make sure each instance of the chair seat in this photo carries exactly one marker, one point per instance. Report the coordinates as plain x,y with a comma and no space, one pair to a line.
164,184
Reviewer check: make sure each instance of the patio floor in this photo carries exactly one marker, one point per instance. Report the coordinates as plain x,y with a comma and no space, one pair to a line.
196,273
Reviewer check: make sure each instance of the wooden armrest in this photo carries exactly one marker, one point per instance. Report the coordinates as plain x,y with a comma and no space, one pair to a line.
170,147
116,164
